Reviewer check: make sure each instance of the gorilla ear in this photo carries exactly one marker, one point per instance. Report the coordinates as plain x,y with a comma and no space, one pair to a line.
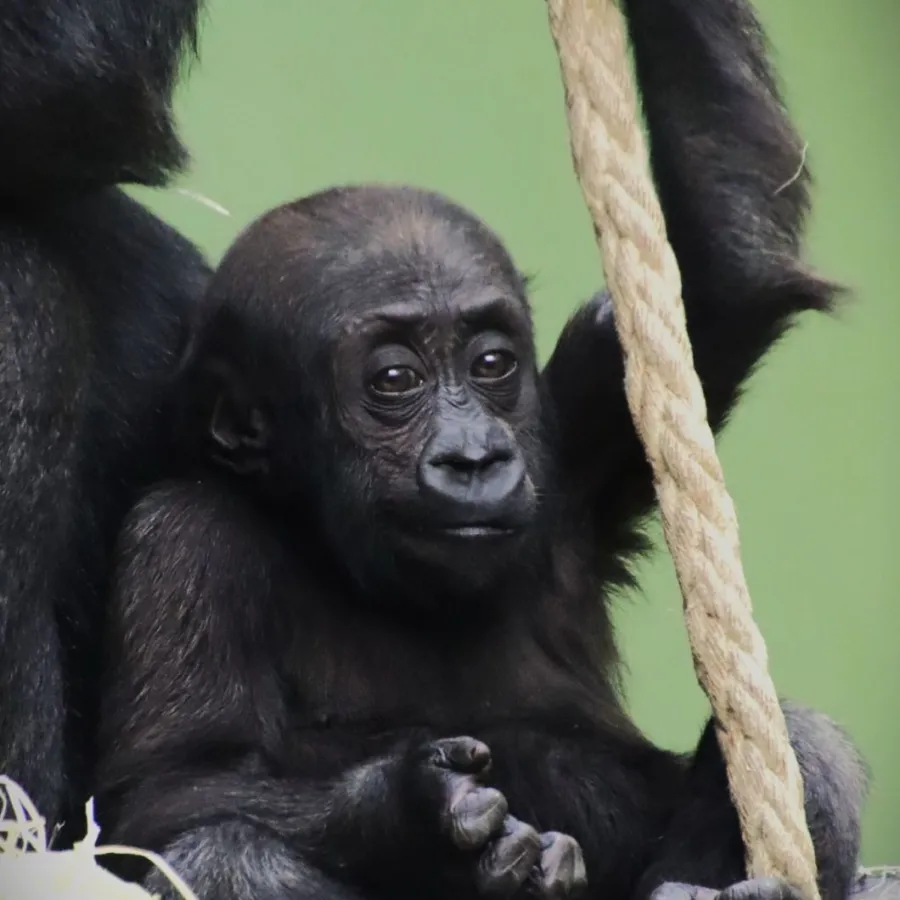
238,428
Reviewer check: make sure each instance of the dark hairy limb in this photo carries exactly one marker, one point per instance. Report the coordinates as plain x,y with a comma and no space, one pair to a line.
731,177
702,844
420,809
85,92
234,860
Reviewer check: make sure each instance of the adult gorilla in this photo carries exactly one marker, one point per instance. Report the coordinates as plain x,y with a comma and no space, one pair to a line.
93,295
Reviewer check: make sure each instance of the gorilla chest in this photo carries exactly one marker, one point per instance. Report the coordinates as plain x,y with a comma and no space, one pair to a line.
378,675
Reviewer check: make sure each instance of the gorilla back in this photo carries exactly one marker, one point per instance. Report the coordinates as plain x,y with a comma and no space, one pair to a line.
94,291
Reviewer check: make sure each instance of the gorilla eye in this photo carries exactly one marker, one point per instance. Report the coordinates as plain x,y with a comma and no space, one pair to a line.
493,365
395,380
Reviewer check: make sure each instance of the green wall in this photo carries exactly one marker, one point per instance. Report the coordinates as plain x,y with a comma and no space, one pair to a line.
464,97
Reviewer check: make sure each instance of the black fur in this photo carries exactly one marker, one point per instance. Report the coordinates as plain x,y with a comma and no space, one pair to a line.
94,291
86,92
298,657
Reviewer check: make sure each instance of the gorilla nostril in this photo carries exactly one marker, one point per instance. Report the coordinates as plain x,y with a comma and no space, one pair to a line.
468,464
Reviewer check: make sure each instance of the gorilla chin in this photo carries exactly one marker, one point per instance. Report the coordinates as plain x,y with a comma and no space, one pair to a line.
457,564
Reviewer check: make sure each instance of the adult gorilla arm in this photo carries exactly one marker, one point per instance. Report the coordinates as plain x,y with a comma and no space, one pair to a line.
730,175
85,91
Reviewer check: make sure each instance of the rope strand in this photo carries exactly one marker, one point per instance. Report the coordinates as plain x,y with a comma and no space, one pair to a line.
669,411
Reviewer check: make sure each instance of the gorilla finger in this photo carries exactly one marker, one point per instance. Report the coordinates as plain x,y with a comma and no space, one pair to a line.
460,754
560,872
508,862
475,815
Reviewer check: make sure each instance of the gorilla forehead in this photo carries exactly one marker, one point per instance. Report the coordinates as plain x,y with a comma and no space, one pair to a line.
340,255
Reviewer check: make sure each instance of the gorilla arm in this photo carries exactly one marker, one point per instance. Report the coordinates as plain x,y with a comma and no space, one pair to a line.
193,726
730,175
734,189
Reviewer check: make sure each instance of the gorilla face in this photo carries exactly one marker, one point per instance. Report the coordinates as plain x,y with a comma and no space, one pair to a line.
402,400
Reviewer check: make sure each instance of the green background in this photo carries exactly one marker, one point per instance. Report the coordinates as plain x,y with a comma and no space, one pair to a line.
464,97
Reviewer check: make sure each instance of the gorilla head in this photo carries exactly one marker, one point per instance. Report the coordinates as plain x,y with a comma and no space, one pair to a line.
367,364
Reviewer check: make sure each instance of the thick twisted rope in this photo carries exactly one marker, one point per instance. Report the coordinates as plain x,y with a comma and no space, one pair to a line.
669,411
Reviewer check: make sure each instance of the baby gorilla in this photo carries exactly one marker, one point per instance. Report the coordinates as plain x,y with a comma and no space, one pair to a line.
379,545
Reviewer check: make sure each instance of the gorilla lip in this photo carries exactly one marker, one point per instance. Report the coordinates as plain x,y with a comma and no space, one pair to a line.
477,530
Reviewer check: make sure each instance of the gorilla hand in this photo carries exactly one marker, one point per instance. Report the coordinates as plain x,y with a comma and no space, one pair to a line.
510,857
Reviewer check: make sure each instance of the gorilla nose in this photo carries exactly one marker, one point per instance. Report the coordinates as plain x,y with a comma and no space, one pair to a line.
465,464
477,478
